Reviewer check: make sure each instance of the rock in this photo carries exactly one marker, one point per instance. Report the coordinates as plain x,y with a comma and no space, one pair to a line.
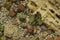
34,29
50,31
43,27
7,4
1,33
12,31
29,28
50,38
21,7
58,38
12,13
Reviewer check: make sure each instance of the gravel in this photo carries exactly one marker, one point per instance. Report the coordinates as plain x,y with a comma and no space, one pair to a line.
12,26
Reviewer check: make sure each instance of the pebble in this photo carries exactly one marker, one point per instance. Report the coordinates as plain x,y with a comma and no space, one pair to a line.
21,7
34,29
1,33
26,35
12,13
7,4
43,27
50,38
58,38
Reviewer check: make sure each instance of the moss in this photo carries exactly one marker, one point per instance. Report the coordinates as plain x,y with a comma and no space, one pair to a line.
1,27
23,25
39,21
23,17
35,20
0,38
31,19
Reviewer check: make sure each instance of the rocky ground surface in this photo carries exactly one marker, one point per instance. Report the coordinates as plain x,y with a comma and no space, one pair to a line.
18,23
